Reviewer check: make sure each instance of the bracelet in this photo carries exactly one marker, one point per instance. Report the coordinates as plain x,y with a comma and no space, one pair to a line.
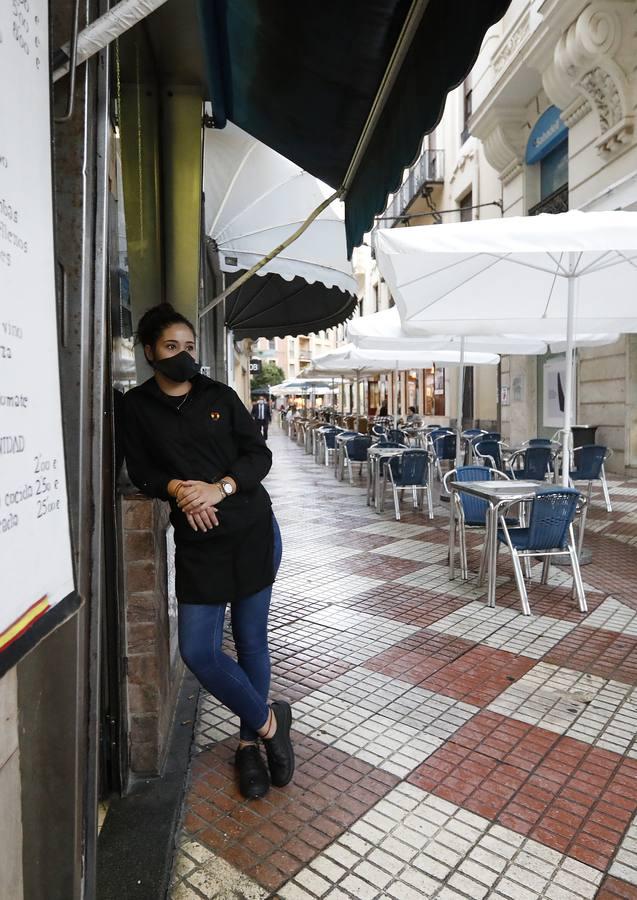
176,490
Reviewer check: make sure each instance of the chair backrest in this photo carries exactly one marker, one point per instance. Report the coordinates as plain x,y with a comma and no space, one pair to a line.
540,442
356,448
396,434
589,461
411,467
489,448
330,439
552,512
492,436
474,509
379,430
389,445
537,462
473,432
444,445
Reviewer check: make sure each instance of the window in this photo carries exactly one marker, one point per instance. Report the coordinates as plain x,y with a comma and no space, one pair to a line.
272,344
466,207
554,170
467,111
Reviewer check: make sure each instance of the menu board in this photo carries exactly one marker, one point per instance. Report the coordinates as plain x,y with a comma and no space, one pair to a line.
35,546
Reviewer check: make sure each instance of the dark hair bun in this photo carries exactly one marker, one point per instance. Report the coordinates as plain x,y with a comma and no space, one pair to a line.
155,320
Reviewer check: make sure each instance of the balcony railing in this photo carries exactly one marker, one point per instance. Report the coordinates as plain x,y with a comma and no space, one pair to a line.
557,202
429,168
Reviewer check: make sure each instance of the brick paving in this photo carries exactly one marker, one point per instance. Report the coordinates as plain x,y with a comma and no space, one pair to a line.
444,749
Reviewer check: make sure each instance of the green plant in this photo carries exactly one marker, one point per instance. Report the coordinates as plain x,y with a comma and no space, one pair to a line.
270,374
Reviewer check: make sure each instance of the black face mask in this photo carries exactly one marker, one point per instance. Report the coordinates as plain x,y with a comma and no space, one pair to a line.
181,367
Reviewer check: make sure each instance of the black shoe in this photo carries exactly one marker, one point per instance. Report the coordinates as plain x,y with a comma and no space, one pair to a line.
254,781
279,748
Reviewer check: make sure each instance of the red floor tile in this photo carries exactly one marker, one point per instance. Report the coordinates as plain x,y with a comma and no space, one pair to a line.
615,888
604,653
273,838
566,794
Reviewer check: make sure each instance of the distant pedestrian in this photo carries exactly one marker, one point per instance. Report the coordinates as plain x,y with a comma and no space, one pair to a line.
383,419
262,414
191,441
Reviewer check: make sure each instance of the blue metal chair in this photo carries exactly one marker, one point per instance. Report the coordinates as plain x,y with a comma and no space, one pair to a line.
379,431
397,434
532,464
319,443
492,436
389,445
589,466
443,446
490,450
469,511
328,444
549,533
539,442
409,470
355,450
471,433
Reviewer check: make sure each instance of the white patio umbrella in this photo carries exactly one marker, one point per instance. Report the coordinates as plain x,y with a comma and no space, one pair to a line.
384,331
543,276
349,359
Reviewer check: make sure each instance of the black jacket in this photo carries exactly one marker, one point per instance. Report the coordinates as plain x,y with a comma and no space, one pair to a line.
267,412
210,436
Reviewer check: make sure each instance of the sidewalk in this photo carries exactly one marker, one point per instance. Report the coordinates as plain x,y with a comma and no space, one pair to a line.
444,750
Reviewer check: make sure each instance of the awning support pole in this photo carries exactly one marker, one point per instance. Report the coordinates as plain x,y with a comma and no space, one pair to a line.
103,31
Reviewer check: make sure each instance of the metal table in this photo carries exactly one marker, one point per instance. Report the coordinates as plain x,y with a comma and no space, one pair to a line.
376,457
496,494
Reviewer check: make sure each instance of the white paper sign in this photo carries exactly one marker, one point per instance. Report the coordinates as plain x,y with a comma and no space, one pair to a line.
35,548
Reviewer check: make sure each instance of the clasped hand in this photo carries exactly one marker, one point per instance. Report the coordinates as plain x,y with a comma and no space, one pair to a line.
198,500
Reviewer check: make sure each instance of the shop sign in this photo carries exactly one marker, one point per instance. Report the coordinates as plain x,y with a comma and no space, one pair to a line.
35,546
548,132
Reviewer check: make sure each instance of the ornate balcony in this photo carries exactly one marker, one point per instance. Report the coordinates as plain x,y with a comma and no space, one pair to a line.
428,169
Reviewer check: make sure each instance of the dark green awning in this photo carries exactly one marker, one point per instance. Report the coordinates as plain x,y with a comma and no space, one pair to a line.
304,77
270,306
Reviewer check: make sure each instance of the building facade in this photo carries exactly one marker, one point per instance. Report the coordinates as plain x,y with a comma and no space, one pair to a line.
544,123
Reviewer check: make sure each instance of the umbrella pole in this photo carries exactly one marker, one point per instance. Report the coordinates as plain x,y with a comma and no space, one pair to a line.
358,397
459,405
568,390
395,409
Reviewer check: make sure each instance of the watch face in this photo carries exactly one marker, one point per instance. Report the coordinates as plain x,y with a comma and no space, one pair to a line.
227,488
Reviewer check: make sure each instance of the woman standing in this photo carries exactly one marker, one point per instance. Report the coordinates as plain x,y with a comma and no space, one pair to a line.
191,441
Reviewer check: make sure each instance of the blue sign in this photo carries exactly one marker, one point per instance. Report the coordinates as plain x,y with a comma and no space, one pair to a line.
547,133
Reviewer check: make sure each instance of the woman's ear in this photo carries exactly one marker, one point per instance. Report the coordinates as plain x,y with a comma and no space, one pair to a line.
148,353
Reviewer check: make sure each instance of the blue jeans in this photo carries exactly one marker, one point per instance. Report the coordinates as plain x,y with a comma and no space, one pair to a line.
242,686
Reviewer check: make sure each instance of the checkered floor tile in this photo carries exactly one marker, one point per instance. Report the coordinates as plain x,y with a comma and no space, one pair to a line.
444,749
384,721
414,845
602,713
504,629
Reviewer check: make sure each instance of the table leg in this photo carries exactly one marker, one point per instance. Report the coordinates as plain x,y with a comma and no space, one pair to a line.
493,552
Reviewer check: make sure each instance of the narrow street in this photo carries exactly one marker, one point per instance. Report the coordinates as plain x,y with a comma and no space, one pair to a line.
444,749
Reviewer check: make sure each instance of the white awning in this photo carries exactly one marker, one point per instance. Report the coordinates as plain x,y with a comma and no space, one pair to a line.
255,199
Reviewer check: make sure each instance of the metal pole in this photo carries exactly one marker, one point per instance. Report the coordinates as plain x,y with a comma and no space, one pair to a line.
358,397
395,409
230,358
460,403
568,389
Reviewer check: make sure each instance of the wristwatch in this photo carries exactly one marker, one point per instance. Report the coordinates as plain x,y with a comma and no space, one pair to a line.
226,487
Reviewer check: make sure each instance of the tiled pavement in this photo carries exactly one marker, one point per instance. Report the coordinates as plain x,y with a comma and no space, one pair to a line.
444,749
